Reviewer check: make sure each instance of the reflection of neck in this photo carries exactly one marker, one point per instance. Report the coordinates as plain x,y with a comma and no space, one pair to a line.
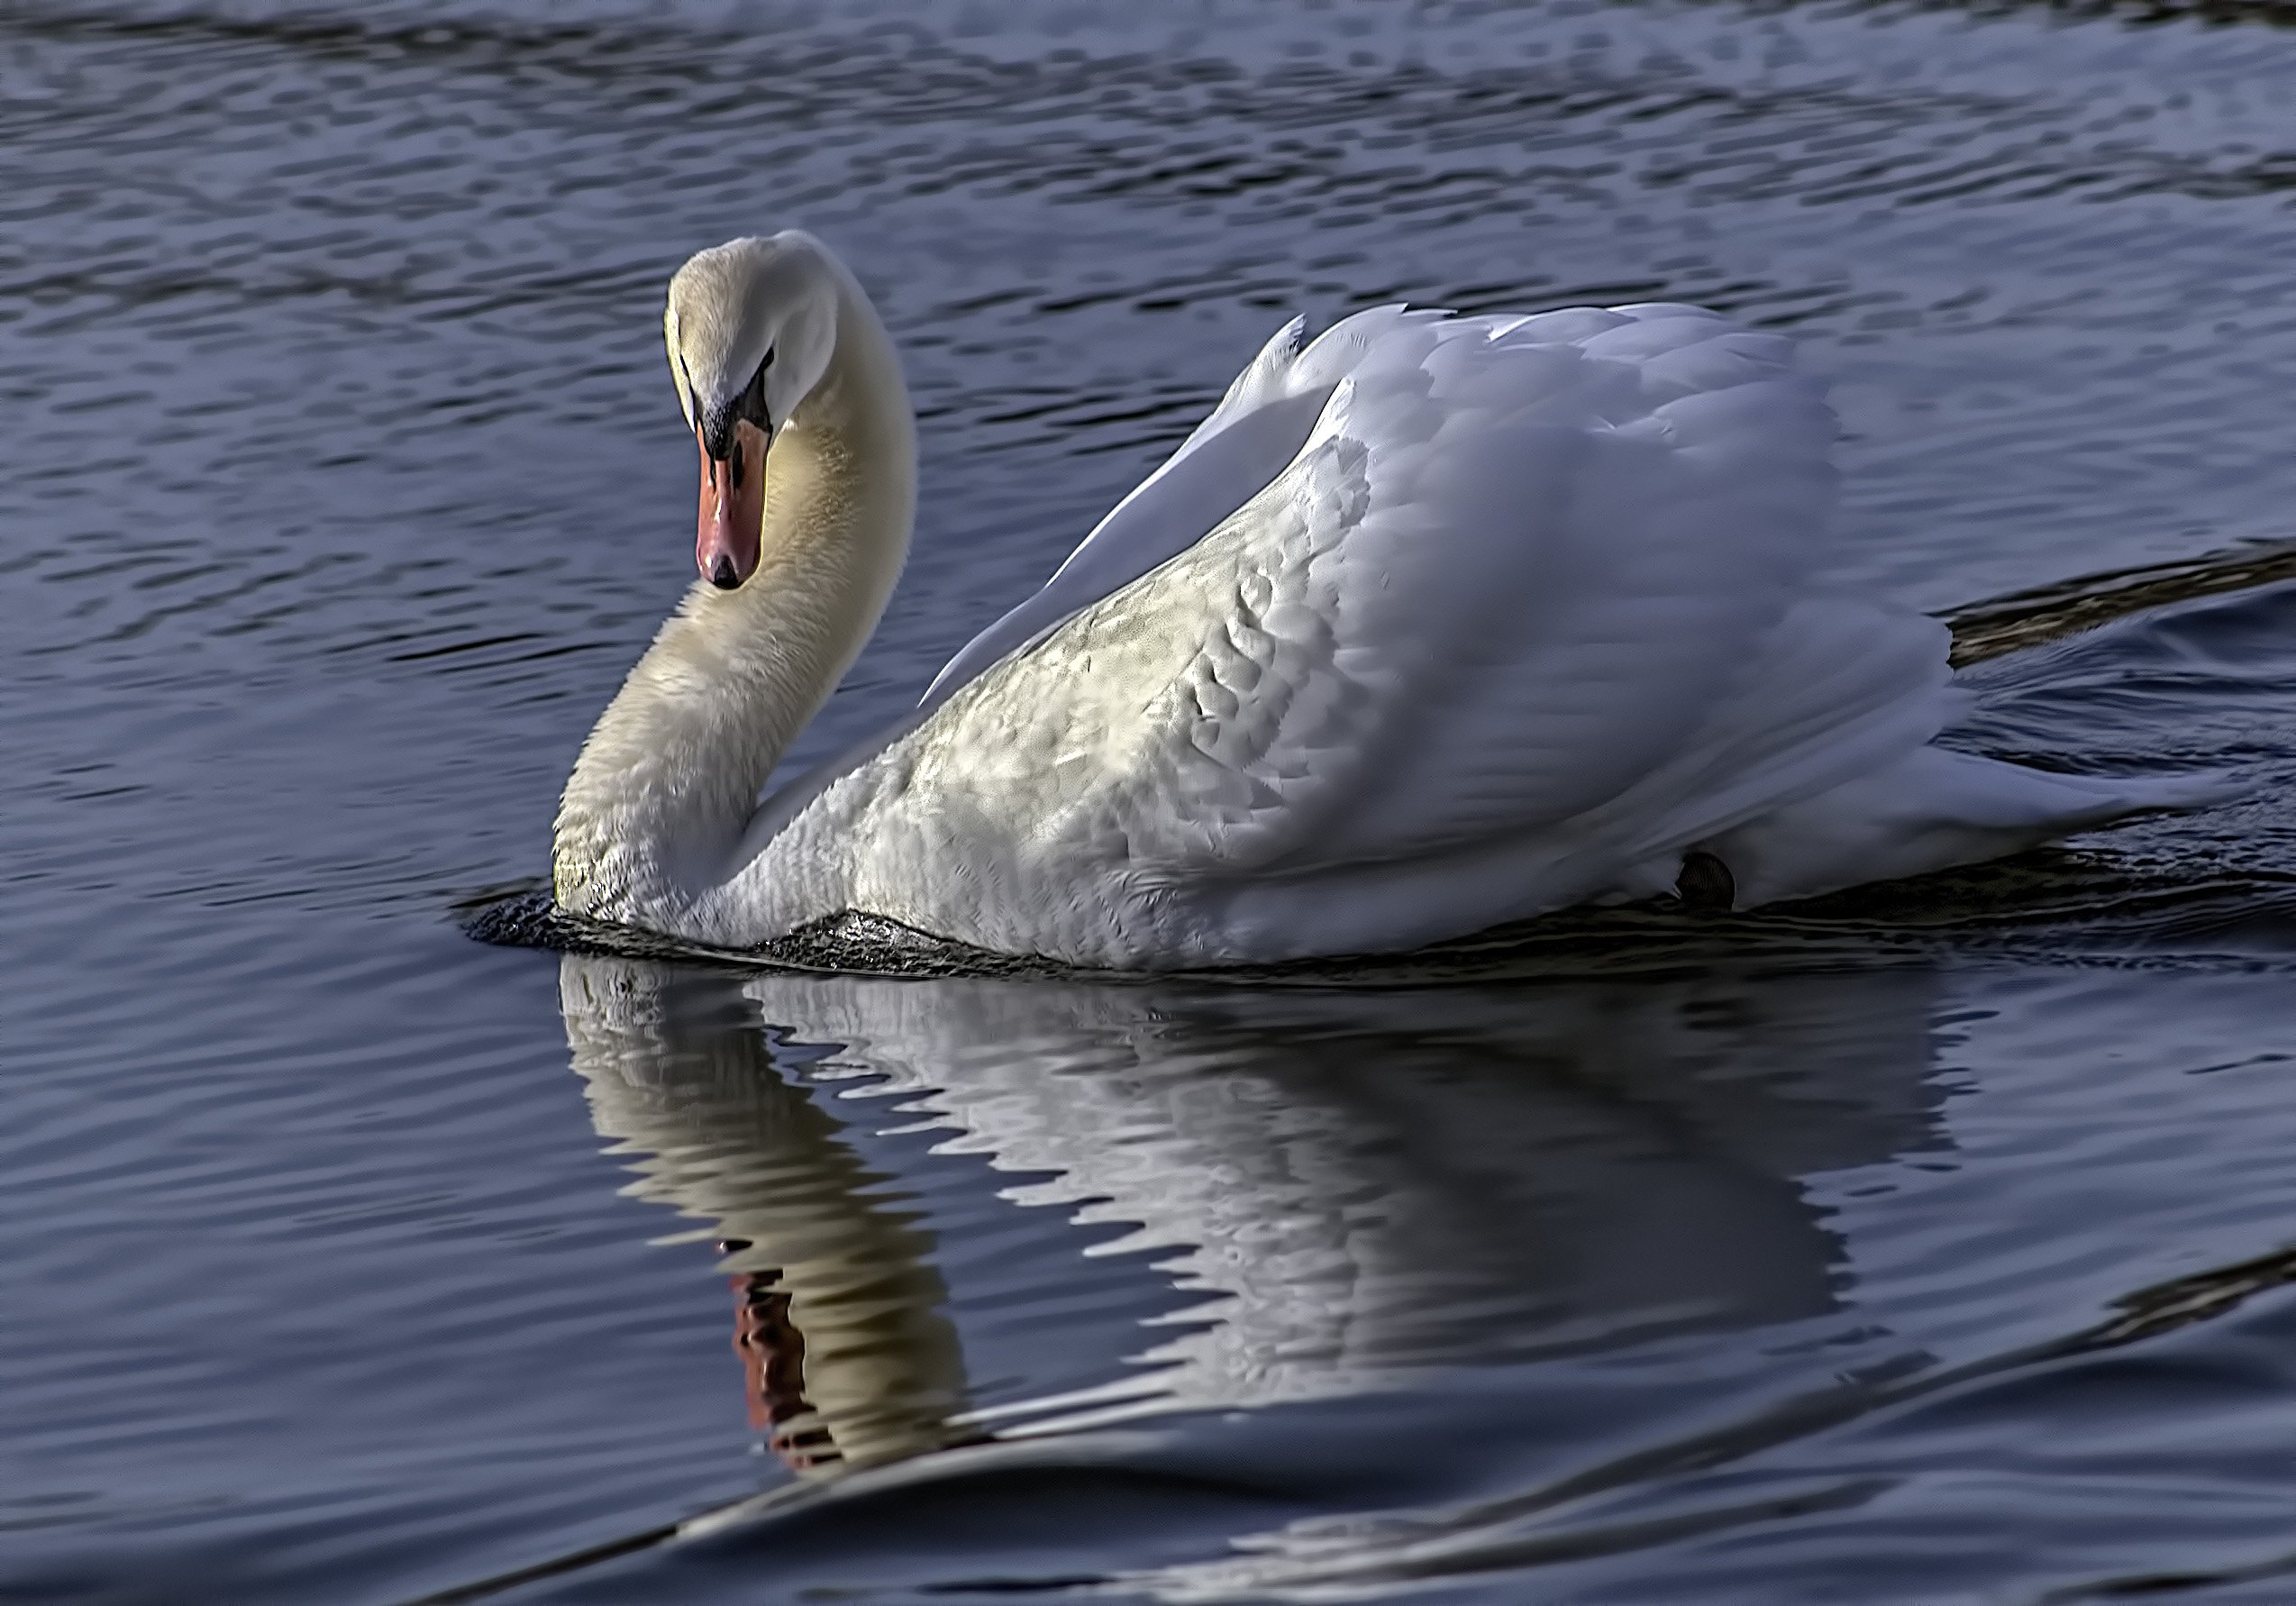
670,774
849,1356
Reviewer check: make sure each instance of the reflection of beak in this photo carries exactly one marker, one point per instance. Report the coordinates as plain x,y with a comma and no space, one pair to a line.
773,1364
732,508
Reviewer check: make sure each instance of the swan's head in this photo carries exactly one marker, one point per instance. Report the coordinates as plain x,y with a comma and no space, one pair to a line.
751,325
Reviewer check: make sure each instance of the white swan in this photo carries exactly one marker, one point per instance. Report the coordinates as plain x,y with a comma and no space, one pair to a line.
1436,622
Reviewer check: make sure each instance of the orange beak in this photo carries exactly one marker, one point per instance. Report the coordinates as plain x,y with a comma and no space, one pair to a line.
732,510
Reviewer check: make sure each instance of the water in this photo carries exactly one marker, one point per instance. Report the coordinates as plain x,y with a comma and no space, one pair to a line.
1927,1249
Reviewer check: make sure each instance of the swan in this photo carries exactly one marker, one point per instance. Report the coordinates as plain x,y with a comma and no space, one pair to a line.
1435,623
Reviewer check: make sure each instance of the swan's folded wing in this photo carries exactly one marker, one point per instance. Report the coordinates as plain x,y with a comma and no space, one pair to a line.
1245,443
1518,571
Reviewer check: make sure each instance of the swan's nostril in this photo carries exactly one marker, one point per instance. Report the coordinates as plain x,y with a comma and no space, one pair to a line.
722,575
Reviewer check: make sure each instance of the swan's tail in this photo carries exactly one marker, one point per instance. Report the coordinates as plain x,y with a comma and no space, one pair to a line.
1930,811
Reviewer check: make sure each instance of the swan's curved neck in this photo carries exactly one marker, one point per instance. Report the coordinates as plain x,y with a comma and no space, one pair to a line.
669,776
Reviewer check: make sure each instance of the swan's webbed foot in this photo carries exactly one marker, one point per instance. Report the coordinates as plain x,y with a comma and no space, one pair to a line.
1706,884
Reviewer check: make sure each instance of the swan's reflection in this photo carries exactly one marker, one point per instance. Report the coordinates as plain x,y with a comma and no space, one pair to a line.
1338,1183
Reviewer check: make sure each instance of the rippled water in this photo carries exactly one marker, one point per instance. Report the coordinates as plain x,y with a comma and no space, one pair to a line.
1924,1248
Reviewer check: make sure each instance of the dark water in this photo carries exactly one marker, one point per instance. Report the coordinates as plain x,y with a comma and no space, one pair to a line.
1923,1251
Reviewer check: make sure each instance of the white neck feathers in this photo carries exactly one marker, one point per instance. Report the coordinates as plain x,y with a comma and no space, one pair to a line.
669,776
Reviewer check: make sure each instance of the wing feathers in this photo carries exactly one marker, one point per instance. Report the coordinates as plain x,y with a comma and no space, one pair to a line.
1504,576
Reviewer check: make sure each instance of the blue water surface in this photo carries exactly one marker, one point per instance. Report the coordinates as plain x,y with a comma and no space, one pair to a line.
1927,1248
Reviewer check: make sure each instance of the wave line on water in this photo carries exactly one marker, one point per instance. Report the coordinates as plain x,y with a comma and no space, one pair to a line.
2043,614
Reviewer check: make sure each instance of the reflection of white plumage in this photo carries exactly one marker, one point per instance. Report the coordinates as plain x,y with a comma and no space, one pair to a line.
1340,1186
1436,622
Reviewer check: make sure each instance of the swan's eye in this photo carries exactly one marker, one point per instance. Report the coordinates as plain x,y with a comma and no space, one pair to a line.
717,428
752,406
